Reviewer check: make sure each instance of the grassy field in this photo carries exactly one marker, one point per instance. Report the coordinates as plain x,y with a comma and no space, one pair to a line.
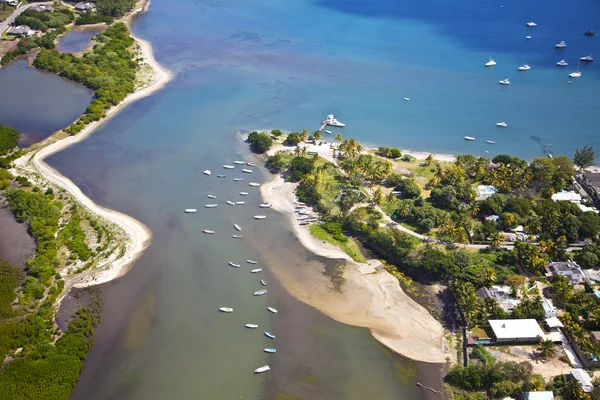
5,12
350,247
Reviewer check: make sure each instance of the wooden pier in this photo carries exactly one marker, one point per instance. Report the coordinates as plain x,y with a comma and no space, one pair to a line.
323,126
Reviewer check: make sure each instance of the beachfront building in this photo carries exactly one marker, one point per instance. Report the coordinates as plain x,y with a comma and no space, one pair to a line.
591,182
485,191
568,269
583,378
549,309
501,294
20,31
40,8
516,330
567,195
85,7
545,395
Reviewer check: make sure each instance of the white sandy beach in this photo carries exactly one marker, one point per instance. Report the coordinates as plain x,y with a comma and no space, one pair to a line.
370,298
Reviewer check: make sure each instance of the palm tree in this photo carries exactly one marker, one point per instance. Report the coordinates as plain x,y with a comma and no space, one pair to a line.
496,240
338,138
546,348
317,135
304,134
377,197
300,151
429,159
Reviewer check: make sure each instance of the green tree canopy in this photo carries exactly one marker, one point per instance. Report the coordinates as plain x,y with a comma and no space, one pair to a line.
585,157
9,138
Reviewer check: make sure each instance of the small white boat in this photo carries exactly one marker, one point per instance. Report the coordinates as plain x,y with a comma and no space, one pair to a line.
531,24
406,99
270,350
561,45
524,67
239,162
237,227
527,37
302,217
587,58
490,63
229,166
238,179
264,205
330,120
562,63
329,132
273,310
190,210
263,282
502,124
226,309
251,262
254,184
211,196
504,81
207,172
251,163
490,142
209,231
240,203
262,369
469,138
231,203
269,335
251,326
260,292
248,171
234,264
221,176
210,205
237,236
260,216
254,271
575,74
243,193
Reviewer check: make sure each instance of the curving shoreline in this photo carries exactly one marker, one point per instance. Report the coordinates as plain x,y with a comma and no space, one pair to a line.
139,235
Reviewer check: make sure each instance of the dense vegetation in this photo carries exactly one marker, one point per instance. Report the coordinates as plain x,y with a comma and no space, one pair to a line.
260,142
72,236
109,70
9,138
10,279
45,20
114,8
26,44
93,18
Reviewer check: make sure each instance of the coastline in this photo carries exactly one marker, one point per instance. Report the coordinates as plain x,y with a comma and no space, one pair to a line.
139,235
371,297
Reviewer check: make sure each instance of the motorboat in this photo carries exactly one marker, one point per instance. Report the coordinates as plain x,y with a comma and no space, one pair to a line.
248,171
269,335
237,227
587,58
262,369
239,162
243,193
207,172
531,24
221,176
562,63
229,166
504,81
561,45
524,67
251,262
490,142
406,99
502,124
329,132
254,184
254,271
240,203
575,74
300,203
589,33
231,203
330,120
209,231
237,236
251,326
260,216
270,350
234,264
263,282
226,309
490,63
273,310
264,205
210,205
528,37
251,163
260,292
302,217
211,196
190,210
469,138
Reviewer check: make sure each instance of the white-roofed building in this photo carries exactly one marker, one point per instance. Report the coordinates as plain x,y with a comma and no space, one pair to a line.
567,196
485,191
583,378
545,395
516,330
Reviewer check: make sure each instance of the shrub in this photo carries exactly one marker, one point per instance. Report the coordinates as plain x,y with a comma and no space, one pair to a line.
259,142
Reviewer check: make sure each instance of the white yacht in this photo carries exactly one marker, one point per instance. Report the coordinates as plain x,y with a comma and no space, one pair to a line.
587,58
328,132
531,24
524,67
561,45
210,205
575,74
251,326
469,138
260,292
504,81
330,120
260,216
229,166
226,309
240,203
190,210
254,184
207,172
490,142
239,162
243,193
273,310
256,270
562,63
237,227
406,99
248,171
262,369
264,205
528,37
502,124
490,63
211,196
234,264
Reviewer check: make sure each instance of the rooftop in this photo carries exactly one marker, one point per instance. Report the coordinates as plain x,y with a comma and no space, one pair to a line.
546,395
554,322
594,179
566,196
583,378
516,328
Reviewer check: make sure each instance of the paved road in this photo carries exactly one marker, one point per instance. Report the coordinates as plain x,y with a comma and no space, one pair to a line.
6,23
